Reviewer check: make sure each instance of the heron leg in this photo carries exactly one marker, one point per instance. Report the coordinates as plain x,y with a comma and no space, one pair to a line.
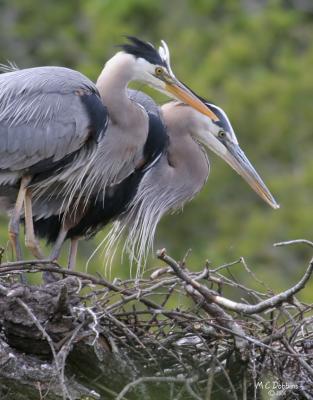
73,253
30,239
56,250
14,224
49,277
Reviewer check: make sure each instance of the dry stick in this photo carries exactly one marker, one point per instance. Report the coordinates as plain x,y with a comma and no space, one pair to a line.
210,381
230,305
222,317
60,370
301,361
27,262
177,316
10,267
127,331
221,279
65,393
143,292
155,316
171,314
154,379
212,297
121,291
34,266
250,272
191,391
296,241
227,377
224,266
65,349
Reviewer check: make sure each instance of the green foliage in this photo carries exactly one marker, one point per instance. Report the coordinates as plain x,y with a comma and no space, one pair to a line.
253,60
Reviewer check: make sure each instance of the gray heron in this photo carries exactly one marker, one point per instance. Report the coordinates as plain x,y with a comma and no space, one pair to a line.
138,202
105,209
60,132
180,174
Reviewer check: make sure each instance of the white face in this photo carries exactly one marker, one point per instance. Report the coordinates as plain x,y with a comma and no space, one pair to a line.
148,73
224,124
161,78
220,138
213,134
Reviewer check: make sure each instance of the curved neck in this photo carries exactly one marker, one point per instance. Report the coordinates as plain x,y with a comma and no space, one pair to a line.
189,163
184,155
112,85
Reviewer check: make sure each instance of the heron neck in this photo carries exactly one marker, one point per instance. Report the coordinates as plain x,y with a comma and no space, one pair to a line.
112,85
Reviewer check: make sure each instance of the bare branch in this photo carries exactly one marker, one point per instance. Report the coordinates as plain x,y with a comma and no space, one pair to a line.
155,379
230,305
296,241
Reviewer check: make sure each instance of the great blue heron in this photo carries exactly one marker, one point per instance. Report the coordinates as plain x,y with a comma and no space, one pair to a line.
109,205
61,132
138,202
180,174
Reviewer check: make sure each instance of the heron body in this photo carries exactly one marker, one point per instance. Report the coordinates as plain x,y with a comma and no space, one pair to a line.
178,168
50,117
103,209
172,179
44,120
180,174
61,133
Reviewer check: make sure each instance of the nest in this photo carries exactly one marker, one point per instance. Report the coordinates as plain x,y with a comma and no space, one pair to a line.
83,337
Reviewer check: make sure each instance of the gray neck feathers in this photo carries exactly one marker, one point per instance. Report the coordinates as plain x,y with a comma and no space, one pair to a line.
175,179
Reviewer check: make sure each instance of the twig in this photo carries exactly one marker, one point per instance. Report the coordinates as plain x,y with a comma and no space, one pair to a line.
191,391
210,381
125,329
22,263
296,241
224,319
301,360
96,281
280,341
60,371
154,379
230,305
64,351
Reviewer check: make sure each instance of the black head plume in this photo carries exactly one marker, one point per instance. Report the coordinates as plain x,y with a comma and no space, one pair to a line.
223,120
141,49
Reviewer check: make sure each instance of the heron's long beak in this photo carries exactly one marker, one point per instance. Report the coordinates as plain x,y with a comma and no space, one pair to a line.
237,159
182,93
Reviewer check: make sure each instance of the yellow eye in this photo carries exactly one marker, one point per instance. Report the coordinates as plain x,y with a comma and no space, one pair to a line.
158,71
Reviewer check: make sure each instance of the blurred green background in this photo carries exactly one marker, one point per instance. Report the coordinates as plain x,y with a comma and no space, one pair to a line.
252,58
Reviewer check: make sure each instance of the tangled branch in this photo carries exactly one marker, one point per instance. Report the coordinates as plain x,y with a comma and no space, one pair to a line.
209,343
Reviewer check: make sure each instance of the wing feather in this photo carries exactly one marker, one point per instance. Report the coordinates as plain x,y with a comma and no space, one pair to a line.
44,114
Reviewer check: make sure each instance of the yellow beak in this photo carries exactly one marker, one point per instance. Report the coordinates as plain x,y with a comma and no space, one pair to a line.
183,94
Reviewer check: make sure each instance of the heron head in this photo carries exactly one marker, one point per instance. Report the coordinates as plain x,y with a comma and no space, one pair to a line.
153,67
219,137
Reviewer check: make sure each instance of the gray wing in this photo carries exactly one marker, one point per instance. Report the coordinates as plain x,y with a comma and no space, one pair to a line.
46,113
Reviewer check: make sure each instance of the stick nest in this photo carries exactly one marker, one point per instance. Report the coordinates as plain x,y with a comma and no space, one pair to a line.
83,337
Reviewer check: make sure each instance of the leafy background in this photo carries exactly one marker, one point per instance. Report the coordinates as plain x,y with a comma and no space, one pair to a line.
252,58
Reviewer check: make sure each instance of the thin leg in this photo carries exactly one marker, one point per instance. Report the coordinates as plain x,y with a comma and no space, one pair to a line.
30,239
54,255
14,224
49,277
73,253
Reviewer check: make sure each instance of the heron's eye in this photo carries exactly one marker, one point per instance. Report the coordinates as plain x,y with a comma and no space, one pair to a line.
158,71
221,134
